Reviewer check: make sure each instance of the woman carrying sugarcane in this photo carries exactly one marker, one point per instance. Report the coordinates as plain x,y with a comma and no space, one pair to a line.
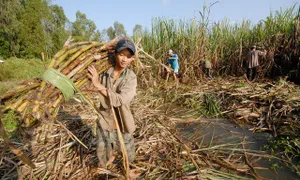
117,87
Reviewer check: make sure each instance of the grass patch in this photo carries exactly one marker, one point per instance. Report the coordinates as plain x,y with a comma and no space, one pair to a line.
10,121
203,104
212,106
14,69
285,147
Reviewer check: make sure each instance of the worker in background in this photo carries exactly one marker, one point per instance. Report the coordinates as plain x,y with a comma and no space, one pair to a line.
174,64
253,63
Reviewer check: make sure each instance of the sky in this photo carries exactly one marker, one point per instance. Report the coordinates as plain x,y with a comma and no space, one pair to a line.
131,12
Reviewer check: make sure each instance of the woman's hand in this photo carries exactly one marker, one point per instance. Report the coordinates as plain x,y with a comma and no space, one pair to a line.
93,74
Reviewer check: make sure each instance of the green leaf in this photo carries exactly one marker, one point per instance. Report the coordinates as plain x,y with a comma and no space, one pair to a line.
60,81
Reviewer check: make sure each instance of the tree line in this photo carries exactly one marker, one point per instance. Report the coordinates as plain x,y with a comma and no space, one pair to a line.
29,27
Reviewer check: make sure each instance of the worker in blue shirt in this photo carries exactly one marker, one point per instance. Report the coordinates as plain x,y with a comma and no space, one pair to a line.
173,63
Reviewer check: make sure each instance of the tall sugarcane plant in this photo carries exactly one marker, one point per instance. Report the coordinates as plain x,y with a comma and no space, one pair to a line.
224,43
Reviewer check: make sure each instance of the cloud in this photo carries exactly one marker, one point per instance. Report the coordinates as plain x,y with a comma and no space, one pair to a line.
165,2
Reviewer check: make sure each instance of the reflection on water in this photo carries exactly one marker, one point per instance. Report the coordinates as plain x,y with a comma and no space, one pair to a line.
214,132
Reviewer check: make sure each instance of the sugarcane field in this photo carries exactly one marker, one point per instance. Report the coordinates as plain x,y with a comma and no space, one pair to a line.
185,98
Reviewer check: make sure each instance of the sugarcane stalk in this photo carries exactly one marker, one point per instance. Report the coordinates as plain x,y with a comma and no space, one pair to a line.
110,45
81,66
57,56
121,140
71,46
81,82
82,78
76,62
74,56
55,93
98,64
55,112
66,70
80,74
56,103
102,65
23,106
18,90
48,92
7,107
40,91
18,102
80,49
148,55
80,44
66,54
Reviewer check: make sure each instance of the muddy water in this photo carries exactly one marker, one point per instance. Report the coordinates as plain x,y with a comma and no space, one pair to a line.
217,132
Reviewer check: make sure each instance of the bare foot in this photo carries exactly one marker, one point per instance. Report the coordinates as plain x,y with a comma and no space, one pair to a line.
101,165
111,159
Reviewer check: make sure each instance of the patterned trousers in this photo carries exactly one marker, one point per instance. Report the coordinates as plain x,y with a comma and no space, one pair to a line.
108,142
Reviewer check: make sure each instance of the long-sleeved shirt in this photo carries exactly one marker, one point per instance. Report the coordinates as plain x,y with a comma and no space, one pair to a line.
252,58
121,92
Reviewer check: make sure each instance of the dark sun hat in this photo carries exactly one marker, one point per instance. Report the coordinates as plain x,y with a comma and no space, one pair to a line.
125,44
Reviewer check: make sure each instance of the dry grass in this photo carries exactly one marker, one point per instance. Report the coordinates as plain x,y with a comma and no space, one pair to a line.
162,152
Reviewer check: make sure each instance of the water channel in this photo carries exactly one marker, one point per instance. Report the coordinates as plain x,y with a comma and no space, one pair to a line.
214,132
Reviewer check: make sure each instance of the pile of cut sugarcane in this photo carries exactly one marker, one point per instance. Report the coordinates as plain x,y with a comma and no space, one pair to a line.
38,99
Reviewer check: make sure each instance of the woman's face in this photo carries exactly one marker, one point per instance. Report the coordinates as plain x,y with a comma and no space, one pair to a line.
124,58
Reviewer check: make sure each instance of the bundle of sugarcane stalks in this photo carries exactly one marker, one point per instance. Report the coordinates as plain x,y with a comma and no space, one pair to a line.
39,98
